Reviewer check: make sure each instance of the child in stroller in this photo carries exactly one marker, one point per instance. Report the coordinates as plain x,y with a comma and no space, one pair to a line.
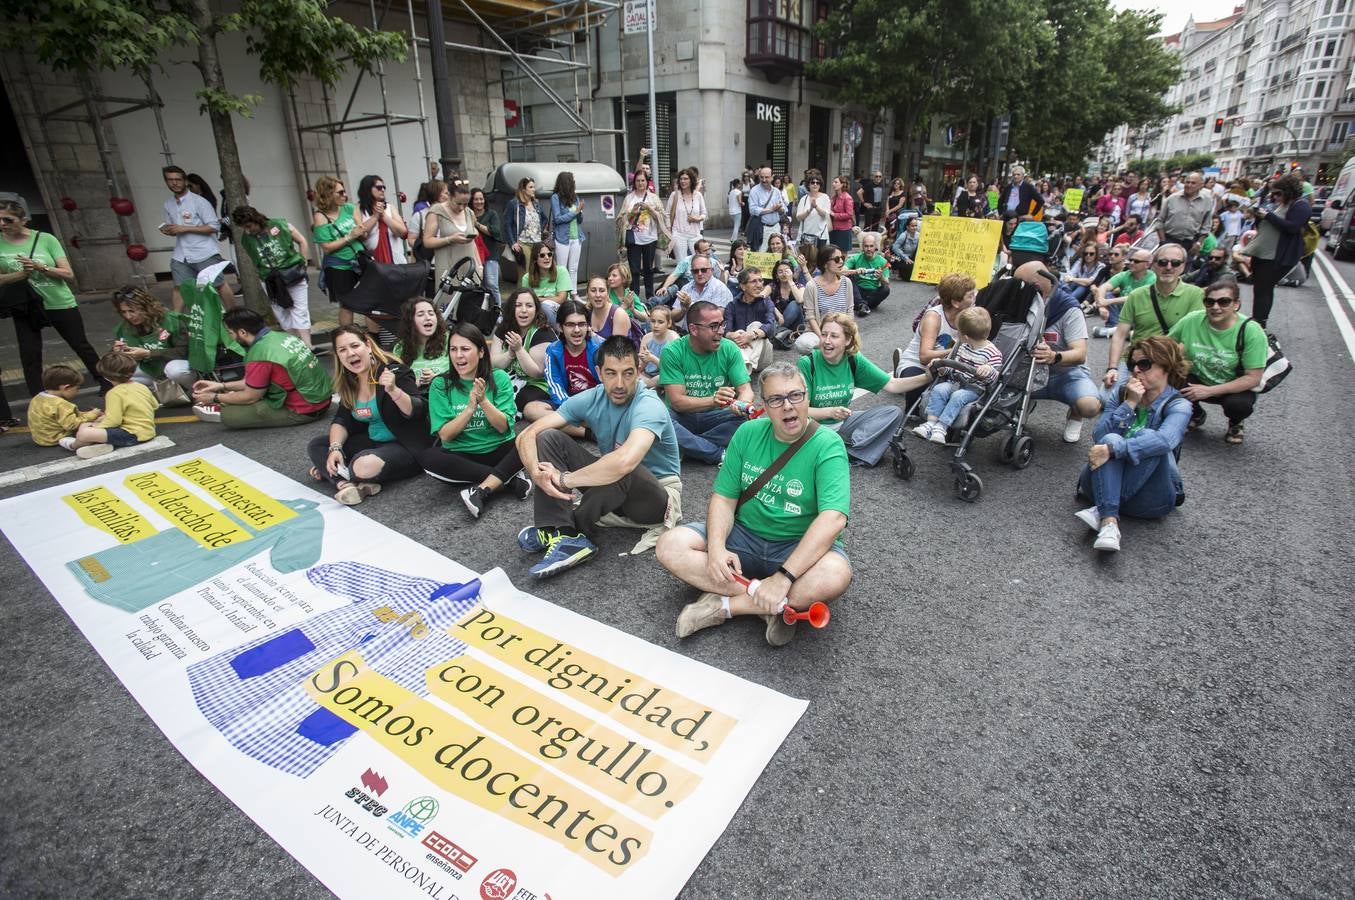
955,388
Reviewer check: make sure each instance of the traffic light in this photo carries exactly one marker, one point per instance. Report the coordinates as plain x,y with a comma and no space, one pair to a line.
1218,125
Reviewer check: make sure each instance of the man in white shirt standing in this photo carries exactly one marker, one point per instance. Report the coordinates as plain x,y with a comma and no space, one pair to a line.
193,224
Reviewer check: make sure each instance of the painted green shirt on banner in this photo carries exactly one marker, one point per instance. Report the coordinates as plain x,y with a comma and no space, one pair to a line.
55,293
702,373
272,248
832,385
815,479
163,336
332,231
447,401
1213,354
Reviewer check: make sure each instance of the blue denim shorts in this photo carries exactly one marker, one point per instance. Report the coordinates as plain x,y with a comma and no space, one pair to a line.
760,557
119,437
1067,385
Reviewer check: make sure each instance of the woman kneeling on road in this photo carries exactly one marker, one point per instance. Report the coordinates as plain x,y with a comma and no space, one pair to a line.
1227,354
381,424
1131,467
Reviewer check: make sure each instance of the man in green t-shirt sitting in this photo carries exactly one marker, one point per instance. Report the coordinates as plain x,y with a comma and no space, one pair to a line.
284,383
706,383
785,534
1149,310
1111,295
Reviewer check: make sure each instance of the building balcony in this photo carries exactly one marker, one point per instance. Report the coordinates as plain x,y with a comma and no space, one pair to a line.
779,39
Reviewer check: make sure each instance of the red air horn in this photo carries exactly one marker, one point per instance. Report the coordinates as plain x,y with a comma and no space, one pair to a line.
817,615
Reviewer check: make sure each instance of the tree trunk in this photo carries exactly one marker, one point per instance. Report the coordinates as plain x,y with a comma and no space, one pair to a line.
228,153
910,117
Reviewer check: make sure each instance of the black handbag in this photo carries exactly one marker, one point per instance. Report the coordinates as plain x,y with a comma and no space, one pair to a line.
21,299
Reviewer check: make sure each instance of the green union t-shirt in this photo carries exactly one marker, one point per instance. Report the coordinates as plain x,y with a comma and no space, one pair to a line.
814,479
446,401
1138,309
832,385
162,336
1213,354
55,293
287,351
272,248
702,374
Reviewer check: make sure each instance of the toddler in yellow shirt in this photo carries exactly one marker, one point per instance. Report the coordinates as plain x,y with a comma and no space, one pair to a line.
52,414
129,411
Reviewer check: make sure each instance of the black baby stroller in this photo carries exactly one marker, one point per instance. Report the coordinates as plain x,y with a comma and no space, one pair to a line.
1017,311
382,291
463,297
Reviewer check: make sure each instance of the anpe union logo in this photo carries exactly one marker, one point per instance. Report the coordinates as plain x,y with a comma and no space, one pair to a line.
795,487
498,884
411,820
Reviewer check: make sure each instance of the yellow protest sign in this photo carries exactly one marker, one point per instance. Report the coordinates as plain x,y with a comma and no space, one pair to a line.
942,209
955,244
1072,199
763,262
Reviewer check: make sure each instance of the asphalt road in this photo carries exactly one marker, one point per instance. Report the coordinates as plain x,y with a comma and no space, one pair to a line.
995,709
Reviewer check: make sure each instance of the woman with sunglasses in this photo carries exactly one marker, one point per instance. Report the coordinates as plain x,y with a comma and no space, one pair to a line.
155,337
828,292
1131,467
813,212
386,241
550,283
1087,272
1150,309
1218,372
339,236
380,427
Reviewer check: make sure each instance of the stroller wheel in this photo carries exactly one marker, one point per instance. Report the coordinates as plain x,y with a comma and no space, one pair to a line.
1022,451
968,487
1007,453
903,464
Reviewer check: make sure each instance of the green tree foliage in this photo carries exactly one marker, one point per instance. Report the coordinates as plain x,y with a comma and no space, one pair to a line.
291,39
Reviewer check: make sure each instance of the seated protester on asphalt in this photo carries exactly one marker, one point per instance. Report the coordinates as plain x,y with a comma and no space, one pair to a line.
421,342
618,289
569,361
936,330
520,345
1218,372
551,283
1070,383
751,320
284,383
636,481
1149,310
471,412
1215,267
828,292
833,372
786,534
605,318
702,374
703,287
1131,468
1111,296
787,297
681,274
153,336
870,270
380,426
1085,272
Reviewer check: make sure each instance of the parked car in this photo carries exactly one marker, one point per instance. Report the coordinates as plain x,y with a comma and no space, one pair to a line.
1338,218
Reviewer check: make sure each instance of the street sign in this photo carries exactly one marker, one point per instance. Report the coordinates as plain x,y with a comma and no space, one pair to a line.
608,206
638,15
1238,120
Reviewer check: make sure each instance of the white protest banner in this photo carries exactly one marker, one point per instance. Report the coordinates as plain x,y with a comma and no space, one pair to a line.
400,725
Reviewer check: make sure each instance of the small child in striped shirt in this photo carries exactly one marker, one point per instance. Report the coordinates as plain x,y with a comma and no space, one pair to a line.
953,389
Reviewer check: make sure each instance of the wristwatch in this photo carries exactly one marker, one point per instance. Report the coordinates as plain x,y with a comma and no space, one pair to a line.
789,577
1058,358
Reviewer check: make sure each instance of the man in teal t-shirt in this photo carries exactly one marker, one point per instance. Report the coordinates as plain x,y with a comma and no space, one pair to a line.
706,384
785,535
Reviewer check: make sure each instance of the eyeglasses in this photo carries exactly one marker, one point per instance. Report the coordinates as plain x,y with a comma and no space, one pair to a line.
1218,301
544,255
839,259
7,220
702,269
713,326
1141,365
776,401
1170,263
378,187
574,325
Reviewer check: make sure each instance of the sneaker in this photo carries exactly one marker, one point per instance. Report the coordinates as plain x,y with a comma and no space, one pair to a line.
938,435
476,499
778,632
862,312
91,451
521,485
564,552
1108,537
1197,419
535,540
1072,431
898,360
1102,331
924,431
1091,517
67,443
1234,434
705,611
207,412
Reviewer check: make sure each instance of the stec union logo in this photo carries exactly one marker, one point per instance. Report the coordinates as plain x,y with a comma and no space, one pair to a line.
411,820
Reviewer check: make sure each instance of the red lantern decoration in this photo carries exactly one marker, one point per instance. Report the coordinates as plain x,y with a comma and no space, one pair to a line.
122,206
403,198
68,204
310,196
137,252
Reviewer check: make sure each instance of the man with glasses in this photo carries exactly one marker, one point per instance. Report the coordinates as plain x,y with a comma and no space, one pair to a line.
702,287
1149,310
1186,216
706,384
786,534
636,481
749,319
766,204
193,224
1110,296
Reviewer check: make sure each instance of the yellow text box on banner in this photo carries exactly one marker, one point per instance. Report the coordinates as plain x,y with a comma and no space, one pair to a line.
1072,199
210,527
476,767
581,748
956,244
102,509
240,497
943,209
661,715
763,262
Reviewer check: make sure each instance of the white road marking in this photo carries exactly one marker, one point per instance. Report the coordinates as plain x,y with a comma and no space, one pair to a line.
73,463
1329,293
